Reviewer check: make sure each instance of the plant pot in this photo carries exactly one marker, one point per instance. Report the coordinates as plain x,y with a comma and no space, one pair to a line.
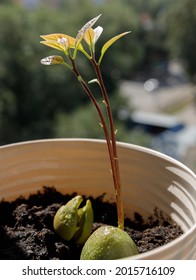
149,179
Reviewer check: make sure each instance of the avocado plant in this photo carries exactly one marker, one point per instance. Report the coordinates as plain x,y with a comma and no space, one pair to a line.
70,221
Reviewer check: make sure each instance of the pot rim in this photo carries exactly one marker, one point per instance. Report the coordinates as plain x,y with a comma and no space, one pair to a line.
101,141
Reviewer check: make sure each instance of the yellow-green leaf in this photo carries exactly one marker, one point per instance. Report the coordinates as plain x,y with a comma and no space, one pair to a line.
56,36
89,36
54,45
52,59
109,43
51,40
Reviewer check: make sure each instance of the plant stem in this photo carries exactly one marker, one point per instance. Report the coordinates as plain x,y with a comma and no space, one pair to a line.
107,137
117,181
110,138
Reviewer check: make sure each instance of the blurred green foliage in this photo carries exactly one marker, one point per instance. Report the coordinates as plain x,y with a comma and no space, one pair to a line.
42,102
180,27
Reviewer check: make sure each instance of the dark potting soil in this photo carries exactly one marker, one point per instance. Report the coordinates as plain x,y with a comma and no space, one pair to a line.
26,227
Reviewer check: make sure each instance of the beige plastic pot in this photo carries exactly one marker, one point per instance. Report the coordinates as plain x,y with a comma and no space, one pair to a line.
149,179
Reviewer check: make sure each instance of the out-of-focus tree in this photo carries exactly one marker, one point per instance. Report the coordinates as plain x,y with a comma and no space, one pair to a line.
6,2
181,26
151,38
84,122
32,95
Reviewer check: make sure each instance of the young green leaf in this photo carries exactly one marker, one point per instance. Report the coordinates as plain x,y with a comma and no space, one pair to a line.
57,36
55,45
93,81
81,34
52,59
83,30
109,43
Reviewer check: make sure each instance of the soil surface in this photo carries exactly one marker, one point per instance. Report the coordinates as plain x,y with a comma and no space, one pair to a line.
26,227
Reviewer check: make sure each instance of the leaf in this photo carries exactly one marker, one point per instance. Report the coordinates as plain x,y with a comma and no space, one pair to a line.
92,35
93,81
98,30
52,59
50,40
89,36
54,45
109,43
56,36
83,30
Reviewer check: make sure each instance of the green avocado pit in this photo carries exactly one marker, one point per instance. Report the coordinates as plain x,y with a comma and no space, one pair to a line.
108,243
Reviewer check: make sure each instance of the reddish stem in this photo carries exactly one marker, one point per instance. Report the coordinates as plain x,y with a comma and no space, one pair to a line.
110,138
117,182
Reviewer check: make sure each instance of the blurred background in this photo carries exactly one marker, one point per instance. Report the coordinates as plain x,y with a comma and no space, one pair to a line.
150,74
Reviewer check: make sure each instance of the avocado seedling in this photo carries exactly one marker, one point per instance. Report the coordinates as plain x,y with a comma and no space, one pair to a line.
71,222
